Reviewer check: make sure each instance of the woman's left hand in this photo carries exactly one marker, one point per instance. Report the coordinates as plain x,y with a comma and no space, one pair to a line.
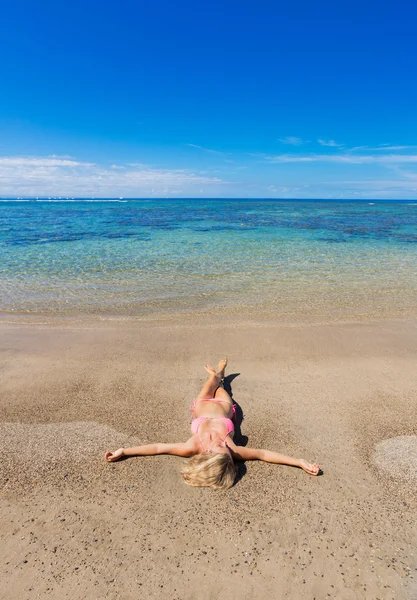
310,468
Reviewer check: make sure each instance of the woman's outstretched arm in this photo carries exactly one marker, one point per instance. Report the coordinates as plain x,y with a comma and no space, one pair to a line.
185,449
241,453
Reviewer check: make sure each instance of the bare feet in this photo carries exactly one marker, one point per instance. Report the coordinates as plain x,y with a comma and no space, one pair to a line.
220,369
311,469
210,370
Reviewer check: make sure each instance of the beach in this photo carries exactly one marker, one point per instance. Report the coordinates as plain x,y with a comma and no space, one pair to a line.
180,184
342,394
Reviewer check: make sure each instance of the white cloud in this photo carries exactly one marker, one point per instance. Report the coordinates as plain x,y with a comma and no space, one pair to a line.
207,149
373,182
375,188
406,174
52,161
330,143
38,176
60,156
291,140
384,148
354,159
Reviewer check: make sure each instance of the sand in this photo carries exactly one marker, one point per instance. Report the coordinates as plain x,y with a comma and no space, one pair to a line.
73,526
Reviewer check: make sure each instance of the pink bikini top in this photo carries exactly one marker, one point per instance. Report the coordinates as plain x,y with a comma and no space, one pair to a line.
195,424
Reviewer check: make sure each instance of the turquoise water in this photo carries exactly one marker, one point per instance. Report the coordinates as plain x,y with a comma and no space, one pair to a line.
294,258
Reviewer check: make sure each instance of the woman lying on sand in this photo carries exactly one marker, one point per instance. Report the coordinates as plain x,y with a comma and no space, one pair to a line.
211,448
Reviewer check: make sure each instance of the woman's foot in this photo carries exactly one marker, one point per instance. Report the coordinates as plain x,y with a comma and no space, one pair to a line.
210,370
220,369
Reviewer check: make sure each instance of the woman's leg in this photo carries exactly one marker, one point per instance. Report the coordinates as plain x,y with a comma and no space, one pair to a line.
211,387
222,395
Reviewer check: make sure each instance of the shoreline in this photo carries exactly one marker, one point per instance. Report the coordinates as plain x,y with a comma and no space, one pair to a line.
242,316
74,526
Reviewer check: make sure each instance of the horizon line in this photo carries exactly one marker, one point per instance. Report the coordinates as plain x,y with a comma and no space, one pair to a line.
217,198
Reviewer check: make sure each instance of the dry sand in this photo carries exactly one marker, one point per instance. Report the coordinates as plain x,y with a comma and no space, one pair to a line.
73,526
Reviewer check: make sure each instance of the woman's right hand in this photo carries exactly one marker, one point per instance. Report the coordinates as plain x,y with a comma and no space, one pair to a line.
113,456
311,469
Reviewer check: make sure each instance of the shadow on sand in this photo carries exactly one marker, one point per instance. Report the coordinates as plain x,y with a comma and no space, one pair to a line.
238,438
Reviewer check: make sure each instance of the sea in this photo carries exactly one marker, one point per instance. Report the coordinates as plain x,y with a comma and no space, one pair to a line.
295,259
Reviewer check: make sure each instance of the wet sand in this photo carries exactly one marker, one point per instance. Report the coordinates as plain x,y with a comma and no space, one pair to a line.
73,526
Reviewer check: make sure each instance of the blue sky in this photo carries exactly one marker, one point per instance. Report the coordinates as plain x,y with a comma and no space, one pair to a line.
219,99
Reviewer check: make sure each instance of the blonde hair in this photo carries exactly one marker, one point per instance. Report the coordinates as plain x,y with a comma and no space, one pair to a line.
210,470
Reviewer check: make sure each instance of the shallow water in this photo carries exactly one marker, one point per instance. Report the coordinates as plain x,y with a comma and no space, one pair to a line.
294,258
